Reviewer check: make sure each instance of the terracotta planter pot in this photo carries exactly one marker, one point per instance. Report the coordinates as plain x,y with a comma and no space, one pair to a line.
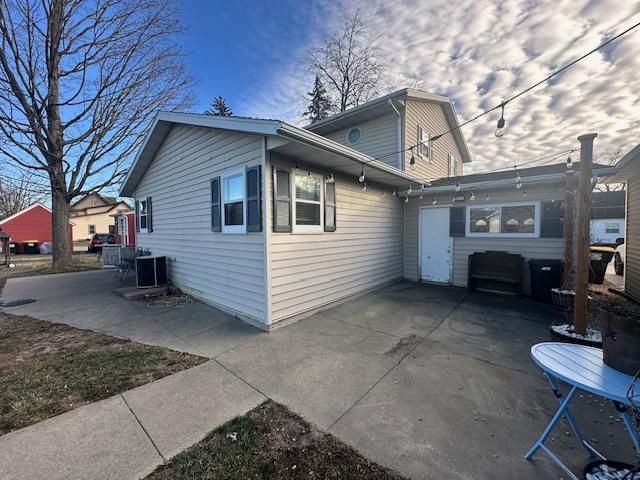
620,341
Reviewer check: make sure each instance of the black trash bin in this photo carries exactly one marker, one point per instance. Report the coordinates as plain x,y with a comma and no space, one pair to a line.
545,275
599,258
31,247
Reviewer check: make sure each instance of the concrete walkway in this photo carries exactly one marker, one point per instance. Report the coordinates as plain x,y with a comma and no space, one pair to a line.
128,435
432,381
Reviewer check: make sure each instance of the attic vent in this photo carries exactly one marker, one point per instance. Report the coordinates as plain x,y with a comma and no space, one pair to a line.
354,136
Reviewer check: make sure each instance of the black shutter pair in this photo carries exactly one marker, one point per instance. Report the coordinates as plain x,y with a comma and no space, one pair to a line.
282,199
253,189
149,214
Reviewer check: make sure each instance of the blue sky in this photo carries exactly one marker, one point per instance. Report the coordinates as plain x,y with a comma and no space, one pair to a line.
476,51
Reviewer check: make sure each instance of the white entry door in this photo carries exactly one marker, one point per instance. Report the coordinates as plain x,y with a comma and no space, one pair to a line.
435,245
123,230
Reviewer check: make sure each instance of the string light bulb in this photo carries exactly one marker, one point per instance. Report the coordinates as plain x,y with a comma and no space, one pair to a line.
434,201
421,196
409,190
406,199
569,163
412,162
524,194
518,183
395,192
330,178
472,197
361,178
487,197
500,127
457,186
364,187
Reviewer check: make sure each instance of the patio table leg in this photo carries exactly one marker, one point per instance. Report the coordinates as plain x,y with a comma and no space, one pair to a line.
569,416
628,422
564,404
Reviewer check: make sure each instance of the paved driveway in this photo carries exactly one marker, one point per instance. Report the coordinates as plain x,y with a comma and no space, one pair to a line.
432,381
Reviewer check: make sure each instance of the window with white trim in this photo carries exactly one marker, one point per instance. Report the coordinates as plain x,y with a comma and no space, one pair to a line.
92,229
142,216
612,228
424,147
307,202
233,203
507,220
452,165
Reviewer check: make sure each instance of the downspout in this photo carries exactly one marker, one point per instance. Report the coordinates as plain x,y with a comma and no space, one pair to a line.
400,156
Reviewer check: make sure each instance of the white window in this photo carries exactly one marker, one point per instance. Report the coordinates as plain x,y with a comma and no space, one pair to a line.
507,220
233,203
142,216
612,228
423,145
307,202
92,229
452,166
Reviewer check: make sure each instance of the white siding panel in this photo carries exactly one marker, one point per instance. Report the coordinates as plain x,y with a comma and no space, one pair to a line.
227,270
632,240
430,116
366,250
379,138
546,248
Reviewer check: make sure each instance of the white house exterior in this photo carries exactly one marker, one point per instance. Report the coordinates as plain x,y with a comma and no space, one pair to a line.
272,222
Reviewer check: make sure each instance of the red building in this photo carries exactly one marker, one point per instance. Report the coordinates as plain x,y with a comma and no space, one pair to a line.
33,224
125,228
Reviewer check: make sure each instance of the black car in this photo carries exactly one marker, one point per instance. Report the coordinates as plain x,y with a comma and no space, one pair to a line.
100,239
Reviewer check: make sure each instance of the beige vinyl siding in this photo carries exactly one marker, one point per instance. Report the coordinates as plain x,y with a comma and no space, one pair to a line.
308,271
226,270
547,248
379,138
632,240
431,117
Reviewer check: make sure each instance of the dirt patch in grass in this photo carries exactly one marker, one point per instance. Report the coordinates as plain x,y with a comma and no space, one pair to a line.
270,442
47,369
30,265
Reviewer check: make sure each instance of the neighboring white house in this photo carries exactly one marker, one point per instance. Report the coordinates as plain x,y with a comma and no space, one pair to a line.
272,222
607,217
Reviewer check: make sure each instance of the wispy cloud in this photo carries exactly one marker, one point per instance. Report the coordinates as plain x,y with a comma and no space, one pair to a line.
480,52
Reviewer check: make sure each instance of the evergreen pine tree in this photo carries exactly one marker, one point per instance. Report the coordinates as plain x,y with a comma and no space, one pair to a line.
219,107
320,104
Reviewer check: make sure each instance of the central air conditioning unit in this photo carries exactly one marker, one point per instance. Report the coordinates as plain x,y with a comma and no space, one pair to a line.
151,271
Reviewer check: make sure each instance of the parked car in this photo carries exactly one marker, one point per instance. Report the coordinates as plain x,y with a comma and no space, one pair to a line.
100,239
618,258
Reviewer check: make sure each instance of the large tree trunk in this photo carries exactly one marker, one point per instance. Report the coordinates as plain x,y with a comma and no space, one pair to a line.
62,247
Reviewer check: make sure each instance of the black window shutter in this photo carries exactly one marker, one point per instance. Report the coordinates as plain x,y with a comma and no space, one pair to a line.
149,215
137,214
329,207
281,200
216,215
254,196
552,225
456,221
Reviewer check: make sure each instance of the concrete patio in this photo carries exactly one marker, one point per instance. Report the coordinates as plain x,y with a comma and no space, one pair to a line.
432,381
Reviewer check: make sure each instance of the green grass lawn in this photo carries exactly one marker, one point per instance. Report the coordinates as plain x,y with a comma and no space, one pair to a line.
270,442
28,265
47,369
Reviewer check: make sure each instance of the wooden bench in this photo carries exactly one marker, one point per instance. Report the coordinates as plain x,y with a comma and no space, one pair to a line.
496,271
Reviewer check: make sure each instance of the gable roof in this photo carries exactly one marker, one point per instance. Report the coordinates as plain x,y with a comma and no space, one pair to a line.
276,129
25,210
374,108
105,199
482,181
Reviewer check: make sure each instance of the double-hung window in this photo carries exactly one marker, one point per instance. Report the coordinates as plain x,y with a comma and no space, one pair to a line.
452,165
142,216
423,145
508,220
307,202
233,203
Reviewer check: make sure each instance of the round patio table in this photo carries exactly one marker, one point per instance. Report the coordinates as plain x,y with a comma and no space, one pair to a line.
583,369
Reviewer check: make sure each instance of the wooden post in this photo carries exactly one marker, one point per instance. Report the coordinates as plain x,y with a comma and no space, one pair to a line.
568,232
582,237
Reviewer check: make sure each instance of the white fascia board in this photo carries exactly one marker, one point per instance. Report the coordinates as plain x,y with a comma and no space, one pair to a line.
505,182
